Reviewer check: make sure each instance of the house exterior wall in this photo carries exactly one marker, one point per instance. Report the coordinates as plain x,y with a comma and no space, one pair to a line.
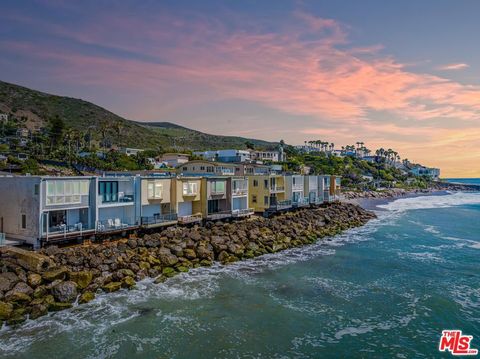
179,197
261,191
18,197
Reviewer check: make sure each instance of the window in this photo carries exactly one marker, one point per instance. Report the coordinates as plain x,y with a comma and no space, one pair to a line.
36,190
190,188
24,221
202,168
185,168
209,169
218,187
65,192
265,200
254,199
255,183
155,190
108,190
265,183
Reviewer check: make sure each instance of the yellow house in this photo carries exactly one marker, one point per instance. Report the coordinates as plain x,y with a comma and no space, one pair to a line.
187,192
157,207
267,193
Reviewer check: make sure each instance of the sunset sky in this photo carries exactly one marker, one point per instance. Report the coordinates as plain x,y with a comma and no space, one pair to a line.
403,75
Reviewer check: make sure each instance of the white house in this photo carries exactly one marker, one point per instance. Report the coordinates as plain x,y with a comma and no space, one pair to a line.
173,160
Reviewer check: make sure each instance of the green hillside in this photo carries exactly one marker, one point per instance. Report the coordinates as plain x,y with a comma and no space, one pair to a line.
34,109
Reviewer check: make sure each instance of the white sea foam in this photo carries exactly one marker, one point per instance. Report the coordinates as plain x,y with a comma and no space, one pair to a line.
430,202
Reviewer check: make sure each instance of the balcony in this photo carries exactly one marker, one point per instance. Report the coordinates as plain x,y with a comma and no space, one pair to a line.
116,200
217,192
243,212
238,192
301,202
190,218
114,224
63,230
219,215
281,205
297,187
161,219
277,189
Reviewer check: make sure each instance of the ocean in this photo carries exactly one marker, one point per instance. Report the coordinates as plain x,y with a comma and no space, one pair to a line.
464,180
385,290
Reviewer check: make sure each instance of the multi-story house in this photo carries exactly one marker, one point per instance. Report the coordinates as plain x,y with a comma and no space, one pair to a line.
173,160
240,206
267,193
324,188
116,210
230,155
294,190
43,209
311,189
187,192
156,206
217,197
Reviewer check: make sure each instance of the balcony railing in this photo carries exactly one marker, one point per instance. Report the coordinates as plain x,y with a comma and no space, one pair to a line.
158,219
277,188
281,205
219,215
2,239
65,230
121,198
217,192
243,212
302,202
239,191
113,224
190,218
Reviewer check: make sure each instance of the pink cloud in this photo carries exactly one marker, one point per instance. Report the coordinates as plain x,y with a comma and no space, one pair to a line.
459,66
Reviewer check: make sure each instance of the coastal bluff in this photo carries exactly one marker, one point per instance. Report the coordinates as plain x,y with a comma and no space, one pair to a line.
74,275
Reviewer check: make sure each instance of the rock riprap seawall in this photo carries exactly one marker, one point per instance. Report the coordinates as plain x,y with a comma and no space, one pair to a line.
57,278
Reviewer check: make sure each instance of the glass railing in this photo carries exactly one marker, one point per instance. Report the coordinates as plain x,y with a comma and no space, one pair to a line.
158,219
113,224
190,218
219,215
242,212
66,229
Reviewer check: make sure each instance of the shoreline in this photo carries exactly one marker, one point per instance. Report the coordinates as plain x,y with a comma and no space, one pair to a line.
53,279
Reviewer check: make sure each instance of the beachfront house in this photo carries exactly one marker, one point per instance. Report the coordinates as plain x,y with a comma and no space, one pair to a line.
116,203
38,210
324,188
311,189
156,206
267,193
294,190
335,187
239,190
187,192
217,197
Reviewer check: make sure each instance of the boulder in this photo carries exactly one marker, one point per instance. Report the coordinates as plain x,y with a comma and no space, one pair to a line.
29,260
128,282
112,287
40,292
189,253
22,287
8,281
6,310
38,310
86,297
65,292
17,297
34,279
58,306
166,257
82,278
168,272
54,274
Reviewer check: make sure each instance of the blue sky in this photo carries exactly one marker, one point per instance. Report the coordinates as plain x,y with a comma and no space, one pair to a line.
401,74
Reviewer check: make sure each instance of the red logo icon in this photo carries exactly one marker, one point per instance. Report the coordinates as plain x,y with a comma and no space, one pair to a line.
456,343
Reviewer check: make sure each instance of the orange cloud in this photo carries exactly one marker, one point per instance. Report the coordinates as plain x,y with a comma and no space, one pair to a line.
459,66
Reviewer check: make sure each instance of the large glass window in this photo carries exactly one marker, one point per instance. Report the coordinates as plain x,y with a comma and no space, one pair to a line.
190,188
108,190
155,190
218,186
66,192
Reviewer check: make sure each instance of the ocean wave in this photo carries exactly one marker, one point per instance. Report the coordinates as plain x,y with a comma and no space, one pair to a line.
431,202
